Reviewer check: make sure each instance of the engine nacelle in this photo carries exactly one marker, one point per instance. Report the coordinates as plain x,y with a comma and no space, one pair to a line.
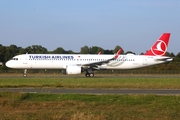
73,69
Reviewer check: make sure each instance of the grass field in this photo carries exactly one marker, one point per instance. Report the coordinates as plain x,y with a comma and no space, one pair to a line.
134,82
27,106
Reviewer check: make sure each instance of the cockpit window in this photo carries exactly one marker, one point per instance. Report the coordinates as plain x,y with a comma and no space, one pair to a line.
14,58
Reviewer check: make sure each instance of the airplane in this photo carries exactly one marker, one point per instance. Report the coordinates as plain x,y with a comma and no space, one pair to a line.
88,63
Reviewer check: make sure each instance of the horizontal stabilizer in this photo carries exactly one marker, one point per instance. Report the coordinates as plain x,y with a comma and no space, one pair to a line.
168,59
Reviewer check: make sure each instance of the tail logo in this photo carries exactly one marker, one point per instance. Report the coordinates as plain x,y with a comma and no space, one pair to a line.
159,48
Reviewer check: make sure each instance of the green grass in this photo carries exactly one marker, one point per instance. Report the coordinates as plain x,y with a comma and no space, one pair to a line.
133,83
29,106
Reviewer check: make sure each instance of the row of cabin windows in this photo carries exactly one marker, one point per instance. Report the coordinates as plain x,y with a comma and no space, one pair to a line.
85,59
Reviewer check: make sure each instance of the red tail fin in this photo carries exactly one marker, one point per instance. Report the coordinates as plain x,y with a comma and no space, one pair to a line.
160,46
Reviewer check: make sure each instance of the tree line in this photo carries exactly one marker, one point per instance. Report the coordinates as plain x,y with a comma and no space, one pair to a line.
7,52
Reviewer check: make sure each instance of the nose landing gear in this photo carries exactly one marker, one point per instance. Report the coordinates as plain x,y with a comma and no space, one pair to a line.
25,73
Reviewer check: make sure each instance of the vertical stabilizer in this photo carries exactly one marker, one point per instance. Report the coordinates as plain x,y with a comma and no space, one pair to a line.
160,46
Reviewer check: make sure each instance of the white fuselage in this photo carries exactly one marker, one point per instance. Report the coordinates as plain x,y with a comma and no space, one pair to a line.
61,61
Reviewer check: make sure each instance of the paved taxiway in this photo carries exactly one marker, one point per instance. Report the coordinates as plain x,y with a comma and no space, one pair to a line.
90,91
96,76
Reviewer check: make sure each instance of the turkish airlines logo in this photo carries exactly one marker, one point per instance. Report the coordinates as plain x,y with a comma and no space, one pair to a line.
159,48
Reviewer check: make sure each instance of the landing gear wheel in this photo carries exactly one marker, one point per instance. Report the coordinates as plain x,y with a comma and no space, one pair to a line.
87,74
91,74
25,75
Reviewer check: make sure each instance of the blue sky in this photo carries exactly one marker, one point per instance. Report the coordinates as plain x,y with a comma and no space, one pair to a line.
72,24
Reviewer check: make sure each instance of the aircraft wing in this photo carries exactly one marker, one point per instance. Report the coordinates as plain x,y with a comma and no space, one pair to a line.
96,64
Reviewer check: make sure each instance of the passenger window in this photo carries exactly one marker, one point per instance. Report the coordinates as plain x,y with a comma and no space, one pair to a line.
14,58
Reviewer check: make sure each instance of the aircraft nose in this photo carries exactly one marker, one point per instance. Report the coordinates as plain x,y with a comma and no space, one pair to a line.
9,64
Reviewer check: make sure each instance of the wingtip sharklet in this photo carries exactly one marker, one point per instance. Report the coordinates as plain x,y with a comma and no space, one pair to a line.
118,53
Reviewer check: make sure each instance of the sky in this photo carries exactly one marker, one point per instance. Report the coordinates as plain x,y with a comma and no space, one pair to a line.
134,25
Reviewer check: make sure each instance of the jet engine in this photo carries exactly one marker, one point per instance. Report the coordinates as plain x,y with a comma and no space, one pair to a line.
72,70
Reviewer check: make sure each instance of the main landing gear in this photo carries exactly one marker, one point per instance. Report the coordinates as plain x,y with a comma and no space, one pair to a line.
89,73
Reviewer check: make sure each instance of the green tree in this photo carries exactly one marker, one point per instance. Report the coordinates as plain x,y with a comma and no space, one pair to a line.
8,54
129,52
116,49
29,50
14,50
2,53
21,50
85,50
36,49
70,52
172,54
178,55
96,50
59,50
108,51
177,58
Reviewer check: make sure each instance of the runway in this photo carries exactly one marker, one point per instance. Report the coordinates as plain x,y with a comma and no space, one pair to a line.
97,76
91,91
